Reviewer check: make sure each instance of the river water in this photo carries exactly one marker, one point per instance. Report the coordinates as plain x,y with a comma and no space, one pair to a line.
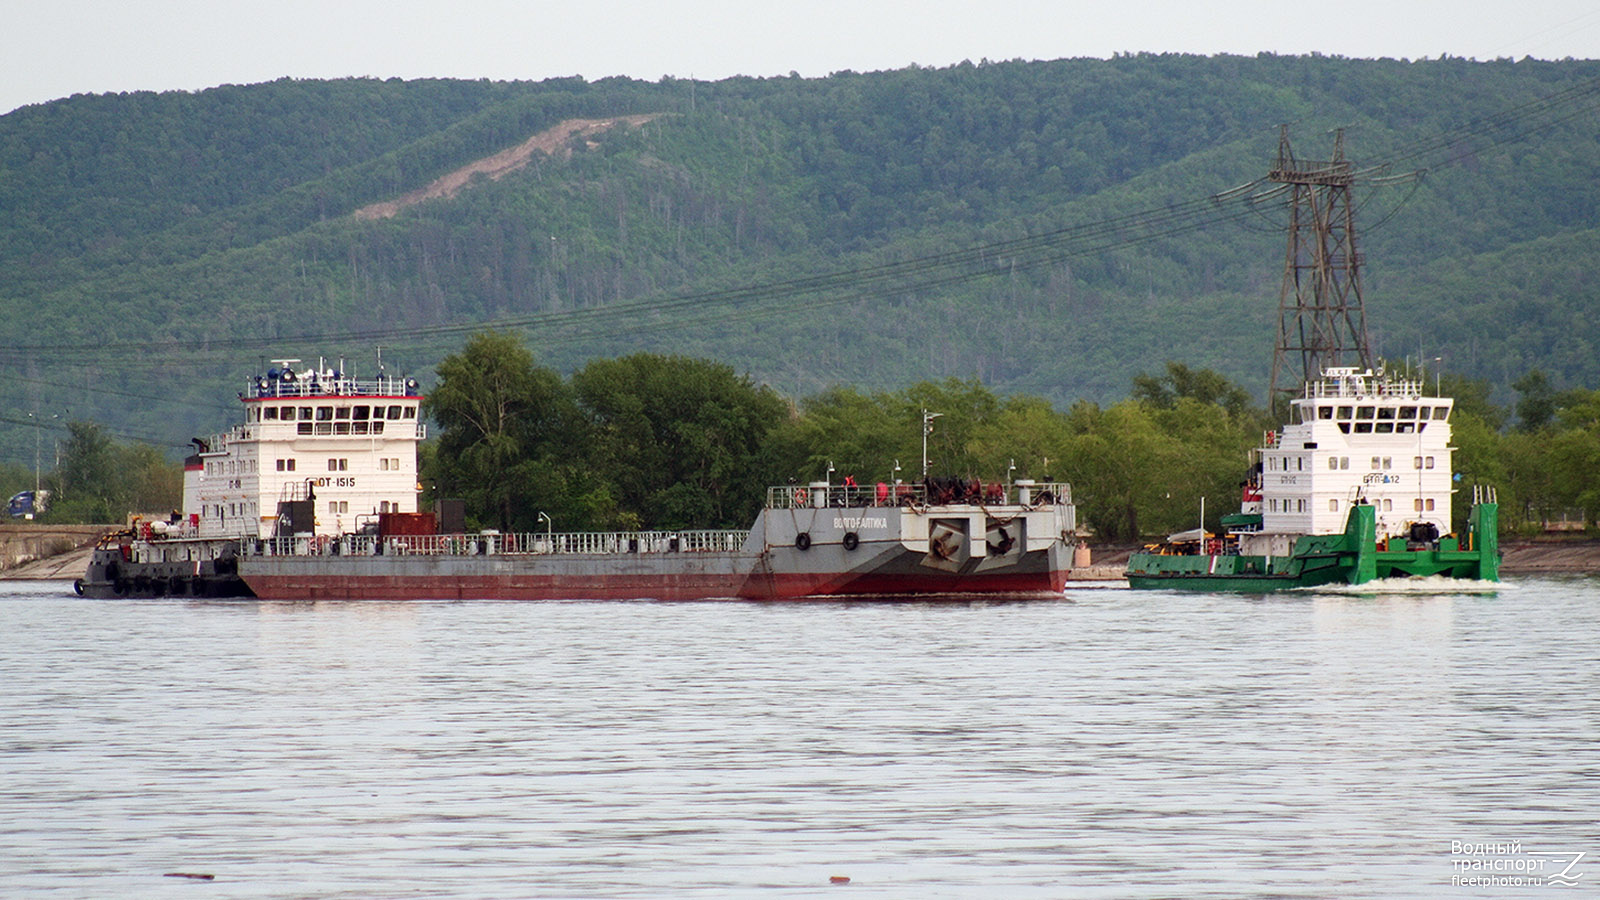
1119,744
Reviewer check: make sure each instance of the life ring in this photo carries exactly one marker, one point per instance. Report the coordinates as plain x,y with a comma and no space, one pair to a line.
802,541
800,496
851,540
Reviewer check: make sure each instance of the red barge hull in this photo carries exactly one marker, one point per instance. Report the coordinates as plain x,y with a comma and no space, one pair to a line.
791,553
691,577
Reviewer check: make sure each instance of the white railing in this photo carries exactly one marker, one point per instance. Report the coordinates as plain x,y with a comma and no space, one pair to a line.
523,544
312,384
1362,385
939,492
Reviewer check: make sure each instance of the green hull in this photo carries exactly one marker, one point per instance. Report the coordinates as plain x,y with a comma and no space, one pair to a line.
1353,557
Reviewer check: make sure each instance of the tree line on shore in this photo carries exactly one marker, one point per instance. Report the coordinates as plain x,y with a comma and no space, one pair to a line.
650,441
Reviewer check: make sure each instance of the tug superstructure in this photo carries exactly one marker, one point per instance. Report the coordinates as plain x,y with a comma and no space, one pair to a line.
1357,486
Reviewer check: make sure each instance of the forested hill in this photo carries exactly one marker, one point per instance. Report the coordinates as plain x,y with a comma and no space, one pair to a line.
1042,226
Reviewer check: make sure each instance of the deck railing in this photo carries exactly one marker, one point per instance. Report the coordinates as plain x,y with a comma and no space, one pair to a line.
492,543
939,493
314,384
1363,385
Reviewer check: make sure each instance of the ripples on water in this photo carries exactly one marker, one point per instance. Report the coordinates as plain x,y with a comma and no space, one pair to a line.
1122,744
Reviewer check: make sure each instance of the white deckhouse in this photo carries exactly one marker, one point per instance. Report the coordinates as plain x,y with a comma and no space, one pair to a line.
348,444
1357,437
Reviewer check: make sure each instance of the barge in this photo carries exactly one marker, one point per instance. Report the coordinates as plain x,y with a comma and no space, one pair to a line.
314,497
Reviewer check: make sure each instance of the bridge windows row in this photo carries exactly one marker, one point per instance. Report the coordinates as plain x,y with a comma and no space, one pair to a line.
360,412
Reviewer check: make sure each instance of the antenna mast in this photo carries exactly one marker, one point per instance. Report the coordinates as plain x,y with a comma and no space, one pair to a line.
1320,314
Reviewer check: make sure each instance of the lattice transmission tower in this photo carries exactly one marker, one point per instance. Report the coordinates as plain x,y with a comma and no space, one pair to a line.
1321,320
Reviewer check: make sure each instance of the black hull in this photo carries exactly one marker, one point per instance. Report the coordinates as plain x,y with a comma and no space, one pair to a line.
112,576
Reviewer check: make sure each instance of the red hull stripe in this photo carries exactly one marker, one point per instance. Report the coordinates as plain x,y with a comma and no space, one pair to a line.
763,587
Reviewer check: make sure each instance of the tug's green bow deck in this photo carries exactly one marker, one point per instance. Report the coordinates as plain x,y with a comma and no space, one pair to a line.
1356,486
1353,557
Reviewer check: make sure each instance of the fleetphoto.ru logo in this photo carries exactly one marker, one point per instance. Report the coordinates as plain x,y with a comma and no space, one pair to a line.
1509,864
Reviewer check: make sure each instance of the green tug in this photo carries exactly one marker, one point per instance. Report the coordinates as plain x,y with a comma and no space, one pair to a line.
1357,488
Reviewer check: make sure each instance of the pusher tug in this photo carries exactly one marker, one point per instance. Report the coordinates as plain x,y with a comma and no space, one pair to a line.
1356,488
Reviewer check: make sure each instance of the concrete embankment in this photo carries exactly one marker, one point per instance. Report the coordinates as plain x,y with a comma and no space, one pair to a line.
1550,557
47,551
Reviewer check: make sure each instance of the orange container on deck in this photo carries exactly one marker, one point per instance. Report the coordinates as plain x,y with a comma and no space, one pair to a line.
416,523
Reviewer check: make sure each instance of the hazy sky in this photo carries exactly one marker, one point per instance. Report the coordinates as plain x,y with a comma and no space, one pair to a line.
56,48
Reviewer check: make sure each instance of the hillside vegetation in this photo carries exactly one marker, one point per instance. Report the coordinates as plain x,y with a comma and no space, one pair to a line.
860,230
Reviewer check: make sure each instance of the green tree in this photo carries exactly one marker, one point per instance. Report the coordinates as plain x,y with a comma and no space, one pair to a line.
88,484
1536,404
680,438
862,435
1201,385
1575,453
101,481
504,425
